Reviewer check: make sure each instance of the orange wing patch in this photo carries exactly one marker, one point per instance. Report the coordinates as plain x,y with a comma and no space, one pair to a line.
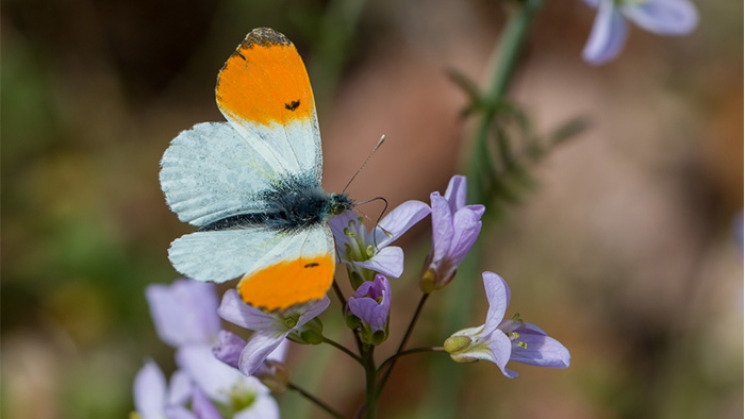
265,81
289,282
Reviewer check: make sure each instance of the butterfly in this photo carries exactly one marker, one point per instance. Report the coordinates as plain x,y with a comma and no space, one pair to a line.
252,185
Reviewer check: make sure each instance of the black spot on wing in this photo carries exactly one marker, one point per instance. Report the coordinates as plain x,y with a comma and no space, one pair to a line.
292,105
311,265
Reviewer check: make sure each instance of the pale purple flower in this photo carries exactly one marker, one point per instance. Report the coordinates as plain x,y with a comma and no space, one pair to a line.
185,316
154,399
371,303
225,384
455,227
500,341
366,252
270,329
610,30
184,312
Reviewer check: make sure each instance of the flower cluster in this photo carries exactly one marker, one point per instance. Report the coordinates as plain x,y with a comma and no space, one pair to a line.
222,374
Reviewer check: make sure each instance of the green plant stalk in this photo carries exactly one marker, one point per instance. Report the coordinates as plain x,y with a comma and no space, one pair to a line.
371,390
447,377
315,401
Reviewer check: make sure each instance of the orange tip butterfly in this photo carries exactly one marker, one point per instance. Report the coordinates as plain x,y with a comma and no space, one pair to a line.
252,185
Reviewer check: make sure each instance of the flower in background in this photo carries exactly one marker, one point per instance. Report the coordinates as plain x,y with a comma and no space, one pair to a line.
270,329
455,227
367,253
369,308
154,400
500,341
185,316
609,32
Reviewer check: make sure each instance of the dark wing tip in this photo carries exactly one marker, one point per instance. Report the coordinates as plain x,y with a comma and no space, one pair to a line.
265,37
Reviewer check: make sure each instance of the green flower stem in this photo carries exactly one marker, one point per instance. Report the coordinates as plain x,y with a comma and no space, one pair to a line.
371,395
459,300
343,349
414,318
408,352
315,401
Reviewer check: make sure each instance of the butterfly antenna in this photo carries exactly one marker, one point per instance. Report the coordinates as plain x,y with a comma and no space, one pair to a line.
377,146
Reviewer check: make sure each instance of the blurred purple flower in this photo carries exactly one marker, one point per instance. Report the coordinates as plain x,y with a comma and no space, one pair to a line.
610,30
154,400
455,227
184,312
500,341
371,303
362,250
270,329
185,316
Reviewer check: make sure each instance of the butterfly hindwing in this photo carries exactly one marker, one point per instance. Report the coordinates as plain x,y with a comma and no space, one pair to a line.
278,268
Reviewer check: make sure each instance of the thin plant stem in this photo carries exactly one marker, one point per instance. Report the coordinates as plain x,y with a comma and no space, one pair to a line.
343,349
408,352
371,373
343,300
315,401
405,339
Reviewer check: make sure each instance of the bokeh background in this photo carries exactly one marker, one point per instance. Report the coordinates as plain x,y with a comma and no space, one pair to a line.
628,247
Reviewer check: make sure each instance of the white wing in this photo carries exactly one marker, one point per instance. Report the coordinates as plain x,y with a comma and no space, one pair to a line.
223,255
212,171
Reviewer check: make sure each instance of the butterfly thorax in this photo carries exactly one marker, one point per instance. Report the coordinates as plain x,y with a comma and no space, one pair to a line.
291,205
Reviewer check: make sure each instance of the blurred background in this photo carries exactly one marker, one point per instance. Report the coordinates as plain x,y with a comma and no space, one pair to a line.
627,247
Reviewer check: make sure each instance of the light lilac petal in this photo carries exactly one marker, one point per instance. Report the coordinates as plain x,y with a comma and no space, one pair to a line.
541,351
399,221
388,261
184,312
456,192
317,307
467,226
664,17
501,348
280,352
608,35
263,407
210,374
442,227
498,295
257,349
179,388
178,412
229,347
203,406
235,310
592,3
150,391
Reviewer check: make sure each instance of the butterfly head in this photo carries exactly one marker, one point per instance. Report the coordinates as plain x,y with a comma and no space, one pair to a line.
339,203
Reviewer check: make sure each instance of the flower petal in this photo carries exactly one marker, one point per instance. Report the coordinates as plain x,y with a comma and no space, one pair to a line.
388,261
257,349
338,224
364,303
235,310
317,307
501,348
456,192
664,17
203,406
442,227
541,351
229,348
466,226
150,391
399,221
211,375
179,389
498,295
608,35
184,312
